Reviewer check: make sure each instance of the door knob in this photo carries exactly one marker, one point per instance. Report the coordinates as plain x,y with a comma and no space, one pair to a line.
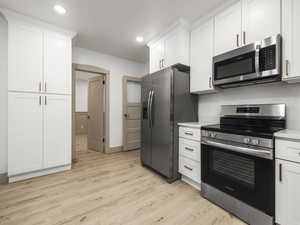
126,115
88,117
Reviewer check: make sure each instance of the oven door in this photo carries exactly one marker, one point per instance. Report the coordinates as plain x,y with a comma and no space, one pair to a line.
237,65
248,178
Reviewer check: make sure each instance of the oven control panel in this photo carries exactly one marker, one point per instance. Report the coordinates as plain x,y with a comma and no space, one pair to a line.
253,141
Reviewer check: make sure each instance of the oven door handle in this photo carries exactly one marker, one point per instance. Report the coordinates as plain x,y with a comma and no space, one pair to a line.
259,153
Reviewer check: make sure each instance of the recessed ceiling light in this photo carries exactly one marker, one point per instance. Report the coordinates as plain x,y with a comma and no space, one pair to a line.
139,39
60,10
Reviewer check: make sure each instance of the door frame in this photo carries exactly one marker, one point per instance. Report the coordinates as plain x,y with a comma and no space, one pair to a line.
106,74
125,80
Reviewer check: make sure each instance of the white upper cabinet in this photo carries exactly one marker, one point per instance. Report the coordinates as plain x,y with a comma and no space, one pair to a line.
228,25
172,48
261,19
57,130
156,56
202,50
38,60
245,22
25,58
291,37
25,133
57,64
287,192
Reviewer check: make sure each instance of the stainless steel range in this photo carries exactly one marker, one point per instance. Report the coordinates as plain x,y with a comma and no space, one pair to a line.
238,167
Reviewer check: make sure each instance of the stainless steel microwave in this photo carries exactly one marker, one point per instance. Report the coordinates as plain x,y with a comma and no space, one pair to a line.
259,62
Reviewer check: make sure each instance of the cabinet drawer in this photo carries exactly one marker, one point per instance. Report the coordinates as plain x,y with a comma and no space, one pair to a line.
189,149
190,168
288,150
190,133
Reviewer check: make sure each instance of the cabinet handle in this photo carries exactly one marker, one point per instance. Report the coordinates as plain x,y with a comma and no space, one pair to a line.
244,38
189,133
210,82
280,172
163,63
40,86
238,40
45,85
46,101
40,100
287,67
189,168
189,149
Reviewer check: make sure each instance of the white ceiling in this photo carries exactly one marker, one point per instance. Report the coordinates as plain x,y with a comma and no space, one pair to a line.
111,26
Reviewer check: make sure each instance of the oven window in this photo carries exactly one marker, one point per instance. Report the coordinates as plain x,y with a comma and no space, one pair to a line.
234,167
240,65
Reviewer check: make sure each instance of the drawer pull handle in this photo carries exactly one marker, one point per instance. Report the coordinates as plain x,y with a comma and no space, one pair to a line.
191,150
189,133
280,172
189,168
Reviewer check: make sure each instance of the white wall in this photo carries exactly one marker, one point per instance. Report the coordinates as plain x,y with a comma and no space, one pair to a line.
81,104
118,67
3,95
209,105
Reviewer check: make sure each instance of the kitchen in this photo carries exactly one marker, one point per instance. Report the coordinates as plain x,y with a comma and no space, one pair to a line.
219,114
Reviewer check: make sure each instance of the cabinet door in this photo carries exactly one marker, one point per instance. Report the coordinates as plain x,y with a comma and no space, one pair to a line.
291,37
25,133
261,19
156,56
228,25
25,58
202,48
287,193
176,46
57,64
57,130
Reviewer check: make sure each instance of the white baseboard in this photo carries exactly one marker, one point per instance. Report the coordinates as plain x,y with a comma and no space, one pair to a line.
25,176
191,182
3,178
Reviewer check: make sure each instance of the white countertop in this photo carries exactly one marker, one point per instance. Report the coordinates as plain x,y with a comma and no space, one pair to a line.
288,134
193,124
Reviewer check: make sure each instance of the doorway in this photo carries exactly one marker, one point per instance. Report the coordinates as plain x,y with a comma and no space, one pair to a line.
131,113
90,110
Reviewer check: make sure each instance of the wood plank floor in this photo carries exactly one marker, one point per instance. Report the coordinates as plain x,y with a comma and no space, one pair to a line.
107,190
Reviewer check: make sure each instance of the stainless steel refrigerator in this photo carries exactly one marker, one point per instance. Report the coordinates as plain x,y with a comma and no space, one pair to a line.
166,101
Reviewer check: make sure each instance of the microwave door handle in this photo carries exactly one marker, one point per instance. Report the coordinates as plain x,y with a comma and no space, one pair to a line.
259,153
257,69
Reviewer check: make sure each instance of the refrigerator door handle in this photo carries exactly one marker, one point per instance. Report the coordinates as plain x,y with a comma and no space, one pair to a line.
148,106
151,107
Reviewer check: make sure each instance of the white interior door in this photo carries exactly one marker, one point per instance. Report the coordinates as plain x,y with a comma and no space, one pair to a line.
96,114
132,113
25,58
57,64
25,133
228,25
57,130
261,19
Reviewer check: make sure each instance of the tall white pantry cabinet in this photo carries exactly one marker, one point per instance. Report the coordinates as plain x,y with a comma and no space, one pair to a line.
39,100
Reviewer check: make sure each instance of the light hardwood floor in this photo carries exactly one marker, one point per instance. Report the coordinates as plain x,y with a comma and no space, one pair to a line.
107,189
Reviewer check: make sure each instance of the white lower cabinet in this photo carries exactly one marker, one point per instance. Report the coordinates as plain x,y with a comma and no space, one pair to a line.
287,182
39,134
190,155
57,131
25,133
